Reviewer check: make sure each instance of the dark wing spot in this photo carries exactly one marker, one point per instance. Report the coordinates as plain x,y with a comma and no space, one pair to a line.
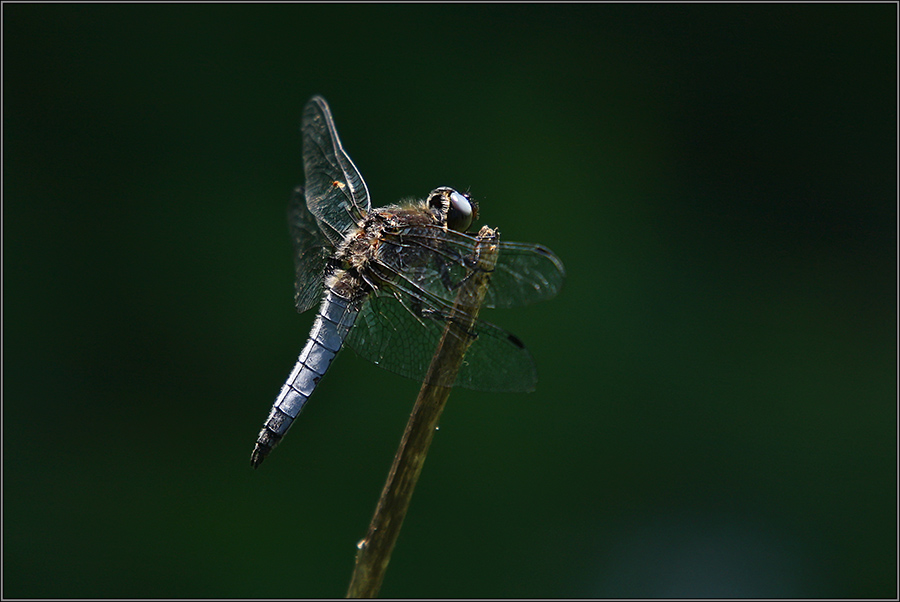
516,341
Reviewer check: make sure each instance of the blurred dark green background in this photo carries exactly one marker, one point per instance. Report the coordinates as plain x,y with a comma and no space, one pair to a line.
717,408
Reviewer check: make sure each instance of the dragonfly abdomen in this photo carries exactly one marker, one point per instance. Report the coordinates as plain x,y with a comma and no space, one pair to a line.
333,321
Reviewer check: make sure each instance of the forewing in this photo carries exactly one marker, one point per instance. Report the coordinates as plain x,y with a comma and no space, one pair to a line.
525,273
336,194
435,261
401,333
311,252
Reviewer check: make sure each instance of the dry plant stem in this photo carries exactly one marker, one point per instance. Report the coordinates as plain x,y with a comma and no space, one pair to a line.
375,550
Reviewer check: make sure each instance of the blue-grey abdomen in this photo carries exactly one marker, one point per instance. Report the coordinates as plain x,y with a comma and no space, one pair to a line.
333,321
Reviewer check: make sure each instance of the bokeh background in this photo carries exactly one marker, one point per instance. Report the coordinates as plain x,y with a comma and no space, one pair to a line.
717,406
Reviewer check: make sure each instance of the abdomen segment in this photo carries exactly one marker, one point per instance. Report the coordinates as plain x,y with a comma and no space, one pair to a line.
333,322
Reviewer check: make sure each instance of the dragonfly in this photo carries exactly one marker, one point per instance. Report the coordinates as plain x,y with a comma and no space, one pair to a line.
385,281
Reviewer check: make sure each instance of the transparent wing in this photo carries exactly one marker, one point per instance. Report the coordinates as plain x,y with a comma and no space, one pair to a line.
525,273
311,252
400,333
429,260
335,191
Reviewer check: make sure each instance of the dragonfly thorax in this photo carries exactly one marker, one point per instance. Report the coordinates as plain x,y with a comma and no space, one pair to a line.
348,284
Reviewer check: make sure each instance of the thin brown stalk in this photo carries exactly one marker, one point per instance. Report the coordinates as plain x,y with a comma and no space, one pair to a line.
375,549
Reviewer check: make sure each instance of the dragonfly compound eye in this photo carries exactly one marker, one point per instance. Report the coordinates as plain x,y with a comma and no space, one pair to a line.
461,213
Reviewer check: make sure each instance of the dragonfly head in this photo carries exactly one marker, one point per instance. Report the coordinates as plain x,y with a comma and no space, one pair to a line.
455,209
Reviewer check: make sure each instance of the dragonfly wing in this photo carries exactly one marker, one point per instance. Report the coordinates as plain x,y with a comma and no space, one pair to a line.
311,252
400,333
435,261
525,273
336,193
